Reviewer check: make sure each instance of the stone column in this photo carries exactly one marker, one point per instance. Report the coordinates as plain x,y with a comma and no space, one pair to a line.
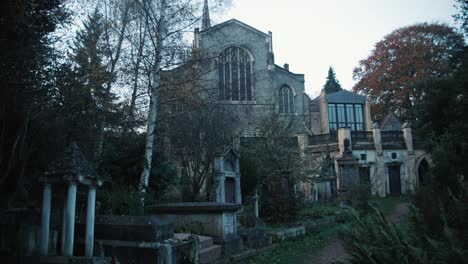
45,218
303,140
219,178
238,191
91,210
411,163
377,139
165,254
256,204
380,178
64,227
408,136
70,220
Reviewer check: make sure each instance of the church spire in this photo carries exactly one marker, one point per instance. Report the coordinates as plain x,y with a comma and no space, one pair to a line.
206,23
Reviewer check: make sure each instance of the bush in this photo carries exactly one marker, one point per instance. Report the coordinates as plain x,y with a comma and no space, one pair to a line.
358,198
372,239
316,211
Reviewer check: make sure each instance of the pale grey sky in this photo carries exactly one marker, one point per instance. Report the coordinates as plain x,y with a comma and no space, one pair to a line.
312,35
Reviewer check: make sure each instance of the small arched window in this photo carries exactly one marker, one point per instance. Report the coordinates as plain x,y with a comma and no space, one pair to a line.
235,75
286,100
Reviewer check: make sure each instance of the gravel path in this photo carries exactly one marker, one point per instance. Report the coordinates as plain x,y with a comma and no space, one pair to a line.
334,250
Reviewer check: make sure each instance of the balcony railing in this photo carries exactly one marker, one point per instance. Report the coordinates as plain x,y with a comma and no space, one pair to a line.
392,136
362,136
362,140
323,139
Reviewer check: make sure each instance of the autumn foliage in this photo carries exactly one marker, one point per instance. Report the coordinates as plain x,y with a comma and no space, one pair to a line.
404,57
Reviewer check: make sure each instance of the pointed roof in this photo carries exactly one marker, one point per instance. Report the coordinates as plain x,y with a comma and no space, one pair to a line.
206,22
236,22
345,96
390,122
72,166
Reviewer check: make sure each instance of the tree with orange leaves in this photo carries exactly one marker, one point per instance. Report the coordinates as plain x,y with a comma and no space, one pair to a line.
404,57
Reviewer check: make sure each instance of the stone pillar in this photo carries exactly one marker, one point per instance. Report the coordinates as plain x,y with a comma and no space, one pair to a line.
411,163
408,136
344,132
303,141
377,139
367,119
238,191
220,190
64,226
380,176
256,205
70,220
219,178
45,218
165,254
91,210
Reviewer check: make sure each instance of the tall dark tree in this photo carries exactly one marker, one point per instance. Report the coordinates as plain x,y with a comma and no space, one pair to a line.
26,96
332,85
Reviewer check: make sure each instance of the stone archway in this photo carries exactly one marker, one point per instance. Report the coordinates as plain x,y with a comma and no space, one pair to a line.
424,176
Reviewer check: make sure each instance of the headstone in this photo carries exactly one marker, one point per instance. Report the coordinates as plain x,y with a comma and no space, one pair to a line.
348,172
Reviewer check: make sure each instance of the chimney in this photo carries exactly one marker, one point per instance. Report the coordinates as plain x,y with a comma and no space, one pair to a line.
286,66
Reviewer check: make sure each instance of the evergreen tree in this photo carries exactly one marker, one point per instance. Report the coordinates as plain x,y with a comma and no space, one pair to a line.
88,57
332,85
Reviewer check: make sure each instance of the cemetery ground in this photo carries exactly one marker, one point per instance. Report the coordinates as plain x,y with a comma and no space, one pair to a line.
326,246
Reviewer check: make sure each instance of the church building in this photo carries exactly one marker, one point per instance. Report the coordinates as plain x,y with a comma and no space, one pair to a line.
239,72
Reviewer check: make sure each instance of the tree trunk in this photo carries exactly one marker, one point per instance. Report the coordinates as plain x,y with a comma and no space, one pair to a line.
154,87
110,80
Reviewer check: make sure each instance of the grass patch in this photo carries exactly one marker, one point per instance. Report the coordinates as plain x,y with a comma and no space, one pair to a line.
317,211
297,249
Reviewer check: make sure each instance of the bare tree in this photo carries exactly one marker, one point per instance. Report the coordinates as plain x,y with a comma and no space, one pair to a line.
167,22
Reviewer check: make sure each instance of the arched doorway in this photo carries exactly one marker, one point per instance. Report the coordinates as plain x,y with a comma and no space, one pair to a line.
423,173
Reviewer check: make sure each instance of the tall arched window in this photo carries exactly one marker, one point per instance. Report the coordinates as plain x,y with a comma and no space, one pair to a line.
286,100
235,75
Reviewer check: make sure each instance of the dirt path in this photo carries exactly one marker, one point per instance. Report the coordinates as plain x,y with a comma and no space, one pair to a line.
334,250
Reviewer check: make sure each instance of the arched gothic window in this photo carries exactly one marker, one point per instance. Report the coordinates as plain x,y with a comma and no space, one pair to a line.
286,100
235,75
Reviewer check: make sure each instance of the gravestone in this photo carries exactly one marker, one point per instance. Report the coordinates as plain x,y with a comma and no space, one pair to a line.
348,169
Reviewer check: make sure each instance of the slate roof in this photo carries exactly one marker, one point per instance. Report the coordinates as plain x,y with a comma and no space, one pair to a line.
392,118
345,96
70,165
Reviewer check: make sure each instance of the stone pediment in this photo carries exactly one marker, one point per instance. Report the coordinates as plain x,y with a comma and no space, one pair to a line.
230,159
237,23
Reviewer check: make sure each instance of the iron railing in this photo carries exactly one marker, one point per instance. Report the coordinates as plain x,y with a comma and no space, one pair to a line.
392,136
323,139
362,136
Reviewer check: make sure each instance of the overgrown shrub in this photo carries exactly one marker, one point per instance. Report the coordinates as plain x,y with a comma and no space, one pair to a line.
316,211
373,239
358,198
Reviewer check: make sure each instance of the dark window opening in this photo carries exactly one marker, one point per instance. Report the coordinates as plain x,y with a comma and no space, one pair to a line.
286,100
346,115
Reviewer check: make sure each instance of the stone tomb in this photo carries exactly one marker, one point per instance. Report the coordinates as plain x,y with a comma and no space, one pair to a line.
227,177
217,220
348,169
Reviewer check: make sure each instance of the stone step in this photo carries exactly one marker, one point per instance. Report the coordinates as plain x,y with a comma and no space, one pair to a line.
205,241
210,254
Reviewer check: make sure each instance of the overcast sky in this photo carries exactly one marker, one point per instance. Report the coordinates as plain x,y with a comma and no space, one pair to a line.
312,35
